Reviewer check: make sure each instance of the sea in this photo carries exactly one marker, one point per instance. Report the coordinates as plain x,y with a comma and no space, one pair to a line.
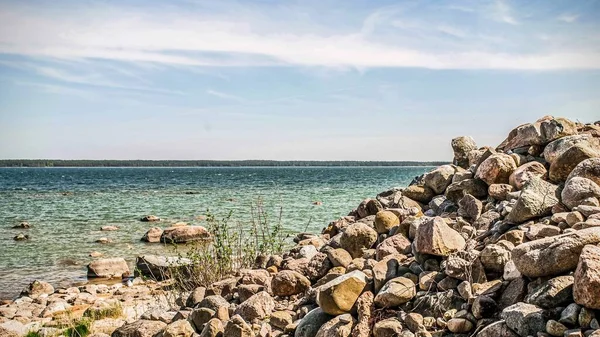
66,207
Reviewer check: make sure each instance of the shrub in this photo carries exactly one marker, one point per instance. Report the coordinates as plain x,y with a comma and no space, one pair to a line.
112,311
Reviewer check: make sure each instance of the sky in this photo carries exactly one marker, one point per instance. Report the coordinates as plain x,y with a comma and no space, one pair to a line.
288,80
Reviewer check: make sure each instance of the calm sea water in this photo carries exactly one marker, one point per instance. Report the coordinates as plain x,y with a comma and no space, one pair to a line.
67,207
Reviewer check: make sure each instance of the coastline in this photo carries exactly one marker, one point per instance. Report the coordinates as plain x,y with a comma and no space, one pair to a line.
504,241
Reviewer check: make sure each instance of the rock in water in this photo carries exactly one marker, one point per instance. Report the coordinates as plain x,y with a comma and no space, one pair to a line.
150,218
108,268
435,237
586,289
554,255
153,235
536,200
337,296
183,234
37,288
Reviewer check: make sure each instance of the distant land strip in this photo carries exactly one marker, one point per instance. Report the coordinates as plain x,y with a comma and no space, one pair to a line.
204,163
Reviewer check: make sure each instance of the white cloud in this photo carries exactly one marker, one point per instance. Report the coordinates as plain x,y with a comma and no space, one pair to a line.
181,37
568,18
224,95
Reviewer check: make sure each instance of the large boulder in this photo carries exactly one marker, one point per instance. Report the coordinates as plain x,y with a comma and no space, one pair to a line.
536,200
288,282
559,146
395,292
439,178
524,172
419,193
525,319
462,146
160,267
337,296
562,165
589,169
577,189
108,268
356,238
311,323
586,289
556,292
542,132
183,234
496,169
256,307
435,237
153,235
385,220
140,328
553,255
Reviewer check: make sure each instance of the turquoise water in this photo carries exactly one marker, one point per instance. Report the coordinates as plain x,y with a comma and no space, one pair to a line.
67,206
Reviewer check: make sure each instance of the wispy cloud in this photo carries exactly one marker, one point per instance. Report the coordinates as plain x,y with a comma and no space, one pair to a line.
568,18
224,95
240,37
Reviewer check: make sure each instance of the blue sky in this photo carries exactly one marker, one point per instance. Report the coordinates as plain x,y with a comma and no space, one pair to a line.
323,80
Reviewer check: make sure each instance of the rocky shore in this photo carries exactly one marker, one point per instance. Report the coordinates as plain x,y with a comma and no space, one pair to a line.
503,242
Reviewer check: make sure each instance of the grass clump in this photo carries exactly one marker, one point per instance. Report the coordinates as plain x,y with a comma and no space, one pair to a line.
234,245
33,334
78,328
113,311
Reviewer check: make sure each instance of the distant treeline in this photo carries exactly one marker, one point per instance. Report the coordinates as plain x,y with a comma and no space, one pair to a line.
202,163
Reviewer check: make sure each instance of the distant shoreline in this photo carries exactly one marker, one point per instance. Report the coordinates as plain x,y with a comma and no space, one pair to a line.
208,163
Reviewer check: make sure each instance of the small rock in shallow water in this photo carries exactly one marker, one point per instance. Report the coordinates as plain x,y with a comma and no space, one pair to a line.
21,237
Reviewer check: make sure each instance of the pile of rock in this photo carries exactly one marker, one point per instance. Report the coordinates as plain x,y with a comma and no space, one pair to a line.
503,242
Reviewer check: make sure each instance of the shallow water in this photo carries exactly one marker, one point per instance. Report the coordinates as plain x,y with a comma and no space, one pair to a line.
67,206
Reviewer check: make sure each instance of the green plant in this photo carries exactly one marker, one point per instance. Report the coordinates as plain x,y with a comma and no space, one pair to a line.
33,334
234,245
113,311
78,328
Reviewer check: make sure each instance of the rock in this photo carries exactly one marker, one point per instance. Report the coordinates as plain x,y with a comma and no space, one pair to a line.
414,322
559,146
462,146
459,325
153,235
515,292
570,314
470,207
95,254
222,288
389,327
496,169
200,316
555,292
140,328
494,257
280,319
536,200
307,252
435,237
439,178
318,267
419,193
356,238
395,292
22,225
565,162
150,218
385,220
555,328
160,267
108,268
339,326
236,327
497,329
37,288
311,323
553,255
474,187
384,271
577,189
213,302
396,244
181,328
214,328
465,266
484,307
364,306
500,191
287,283
185,234
196,296
103,240
337,297
524,172
339,257
589,169
486,220
539,231
21,237
524,319
256,307
109,228
587,278
541,132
